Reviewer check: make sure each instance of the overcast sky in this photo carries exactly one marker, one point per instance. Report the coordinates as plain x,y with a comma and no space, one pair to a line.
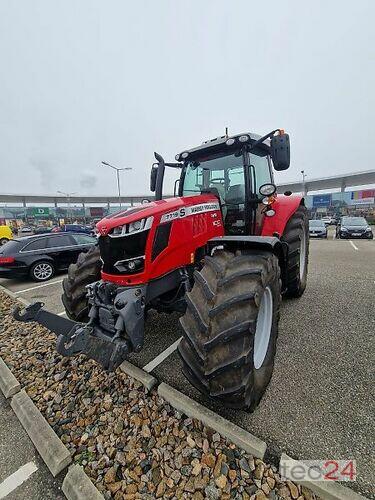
85,81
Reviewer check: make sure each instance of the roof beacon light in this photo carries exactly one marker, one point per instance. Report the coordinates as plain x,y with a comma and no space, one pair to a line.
281,131
243,138
229,142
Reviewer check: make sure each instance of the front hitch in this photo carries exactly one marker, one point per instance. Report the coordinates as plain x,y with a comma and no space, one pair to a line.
35,312
77,338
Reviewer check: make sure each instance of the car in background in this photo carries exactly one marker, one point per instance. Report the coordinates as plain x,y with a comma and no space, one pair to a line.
26,229
73,228
5,234
42,230
354,227
328,220
317,229
41,256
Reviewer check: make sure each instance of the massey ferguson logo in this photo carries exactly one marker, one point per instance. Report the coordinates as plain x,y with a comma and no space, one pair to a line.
193,210
103,230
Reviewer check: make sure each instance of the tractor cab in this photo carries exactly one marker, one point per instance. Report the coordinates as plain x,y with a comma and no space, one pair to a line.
237,170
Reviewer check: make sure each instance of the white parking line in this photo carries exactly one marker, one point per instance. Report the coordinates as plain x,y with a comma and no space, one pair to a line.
38,286
354,246
161,357
17,478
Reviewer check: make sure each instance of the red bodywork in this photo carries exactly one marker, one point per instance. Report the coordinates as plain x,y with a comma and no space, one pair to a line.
284,206
188,233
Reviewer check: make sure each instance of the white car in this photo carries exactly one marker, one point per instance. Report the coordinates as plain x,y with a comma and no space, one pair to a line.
328,220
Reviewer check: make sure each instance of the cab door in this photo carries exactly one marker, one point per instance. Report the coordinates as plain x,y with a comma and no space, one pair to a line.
260,172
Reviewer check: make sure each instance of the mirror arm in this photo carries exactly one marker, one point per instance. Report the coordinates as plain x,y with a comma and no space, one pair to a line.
259,141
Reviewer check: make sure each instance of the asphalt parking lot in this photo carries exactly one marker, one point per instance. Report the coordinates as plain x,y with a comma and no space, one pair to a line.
320,403
22,474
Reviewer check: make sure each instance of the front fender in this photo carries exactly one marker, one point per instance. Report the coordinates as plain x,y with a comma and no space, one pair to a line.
285,207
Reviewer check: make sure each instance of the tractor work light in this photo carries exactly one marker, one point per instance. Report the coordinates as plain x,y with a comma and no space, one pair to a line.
184,155
177,157
243,138
230,142
267,189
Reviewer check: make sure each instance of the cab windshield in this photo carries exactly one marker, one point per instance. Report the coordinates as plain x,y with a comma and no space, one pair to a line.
226,175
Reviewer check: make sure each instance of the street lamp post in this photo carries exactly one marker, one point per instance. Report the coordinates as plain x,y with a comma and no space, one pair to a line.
118,170
303,181
68,195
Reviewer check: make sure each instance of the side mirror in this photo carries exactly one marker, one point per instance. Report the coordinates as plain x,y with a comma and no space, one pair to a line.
280,151
153,176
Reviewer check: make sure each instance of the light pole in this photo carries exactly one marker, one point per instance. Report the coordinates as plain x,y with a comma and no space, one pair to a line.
303,181
118,170
68,195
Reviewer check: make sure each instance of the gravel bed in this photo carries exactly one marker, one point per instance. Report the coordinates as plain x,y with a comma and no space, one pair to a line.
131,443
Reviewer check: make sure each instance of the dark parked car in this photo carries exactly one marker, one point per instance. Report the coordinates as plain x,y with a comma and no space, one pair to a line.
354,227
40,257
42,230
73,228
317,229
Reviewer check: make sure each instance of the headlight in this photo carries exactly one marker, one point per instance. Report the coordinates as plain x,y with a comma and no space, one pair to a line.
132,227
368,229
136,225
343,229
118,231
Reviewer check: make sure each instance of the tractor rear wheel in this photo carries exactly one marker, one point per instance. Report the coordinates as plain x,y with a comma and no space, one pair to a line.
296,234
85,271
230,327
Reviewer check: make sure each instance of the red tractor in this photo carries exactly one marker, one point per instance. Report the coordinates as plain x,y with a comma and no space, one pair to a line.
222,252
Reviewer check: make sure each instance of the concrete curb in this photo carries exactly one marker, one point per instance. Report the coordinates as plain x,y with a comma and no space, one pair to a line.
133,371
51,449
9,385
77,485
329,490
251,444
14,296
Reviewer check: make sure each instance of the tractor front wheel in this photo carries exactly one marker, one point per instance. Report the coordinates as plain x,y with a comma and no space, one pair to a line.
230,327
83,273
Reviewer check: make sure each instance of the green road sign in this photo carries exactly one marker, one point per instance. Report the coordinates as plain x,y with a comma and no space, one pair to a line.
40,212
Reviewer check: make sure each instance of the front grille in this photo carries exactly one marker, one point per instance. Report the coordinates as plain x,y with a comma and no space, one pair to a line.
121,248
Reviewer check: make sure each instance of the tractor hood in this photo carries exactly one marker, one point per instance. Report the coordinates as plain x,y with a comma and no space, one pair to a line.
169,206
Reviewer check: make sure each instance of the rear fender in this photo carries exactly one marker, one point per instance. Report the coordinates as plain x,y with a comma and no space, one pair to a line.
265,243
285,207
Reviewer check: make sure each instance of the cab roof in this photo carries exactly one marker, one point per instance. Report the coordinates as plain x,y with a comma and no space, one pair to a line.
219,145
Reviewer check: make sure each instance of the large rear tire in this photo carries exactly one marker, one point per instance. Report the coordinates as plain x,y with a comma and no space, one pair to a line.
230,327
296,234
85,271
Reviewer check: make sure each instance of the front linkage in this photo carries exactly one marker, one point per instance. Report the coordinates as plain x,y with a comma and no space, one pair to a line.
104,338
